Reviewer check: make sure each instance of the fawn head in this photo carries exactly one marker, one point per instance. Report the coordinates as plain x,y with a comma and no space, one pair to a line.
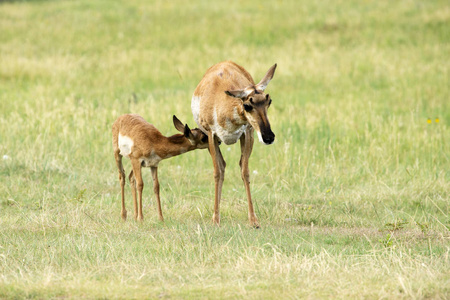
197,138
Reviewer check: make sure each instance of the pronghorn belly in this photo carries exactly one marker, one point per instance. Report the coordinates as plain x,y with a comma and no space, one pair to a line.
150,161
125,145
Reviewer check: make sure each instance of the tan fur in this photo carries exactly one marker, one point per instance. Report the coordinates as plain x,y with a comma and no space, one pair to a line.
149,148
218,107
218,79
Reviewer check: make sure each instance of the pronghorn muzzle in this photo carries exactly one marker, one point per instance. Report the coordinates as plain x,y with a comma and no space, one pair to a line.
267,135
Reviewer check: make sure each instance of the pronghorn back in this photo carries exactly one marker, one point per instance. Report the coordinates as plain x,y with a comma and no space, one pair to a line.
133,135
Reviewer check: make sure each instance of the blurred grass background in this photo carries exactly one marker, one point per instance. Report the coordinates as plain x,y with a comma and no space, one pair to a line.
360,112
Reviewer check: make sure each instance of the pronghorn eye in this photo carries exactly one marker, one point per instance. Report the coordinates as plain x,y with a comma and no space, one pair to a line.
248,108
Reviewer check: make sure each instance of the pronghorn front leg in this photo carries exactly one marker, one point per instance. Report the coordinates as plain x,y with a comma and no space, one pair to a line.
219,174
156,190
246,150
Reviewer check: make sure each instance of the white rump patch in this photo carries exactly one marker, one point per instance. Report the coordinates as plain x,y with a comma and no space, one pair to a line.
125,145
195,107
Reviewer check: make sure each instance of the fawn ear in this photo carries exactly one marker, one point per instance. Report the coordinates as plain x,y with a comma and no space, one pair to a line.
178,125
187,132
261,86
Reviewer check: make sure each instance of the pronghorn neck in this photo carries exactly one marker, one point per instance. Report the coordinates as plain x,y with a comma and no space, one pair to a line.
177,144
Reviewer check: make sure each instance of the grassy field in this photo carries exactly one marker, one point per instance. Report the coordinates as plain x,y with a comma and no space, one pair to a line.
353,198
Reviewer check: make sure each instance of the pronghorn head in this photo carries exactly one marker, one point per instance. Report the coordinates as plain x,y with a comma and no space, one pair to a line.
255,103
197,138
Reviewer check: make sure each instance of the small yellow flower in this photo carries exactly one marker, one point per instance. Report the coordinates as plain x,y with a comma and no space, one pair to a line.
330,203
437,120
429,121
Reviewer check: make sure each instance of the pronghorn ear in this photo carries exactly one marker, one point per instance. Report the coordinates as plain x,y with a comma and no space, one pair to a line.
261,86
241,94
178,125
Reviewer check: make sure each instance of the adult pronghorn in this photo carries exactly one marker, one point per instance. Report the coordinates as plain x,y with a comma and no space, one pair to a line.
228,105
132,136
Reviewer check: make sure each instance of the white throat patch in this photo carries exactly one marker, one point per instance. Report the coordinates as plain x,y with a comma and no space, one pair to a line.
258,133
229,134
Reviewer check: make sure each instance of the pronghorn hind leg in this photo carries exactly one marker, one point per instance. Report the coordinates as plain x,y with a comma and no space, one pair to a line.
156,191
132,180
119,164
219,174
246,150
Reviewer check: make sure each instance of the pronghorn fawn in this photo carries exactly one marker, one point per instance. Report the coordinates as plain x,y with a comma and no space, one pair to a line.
133,137
228,106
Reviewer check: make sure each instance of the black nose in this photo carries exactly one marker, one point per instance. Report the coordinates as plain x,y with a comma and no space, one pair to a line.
268,138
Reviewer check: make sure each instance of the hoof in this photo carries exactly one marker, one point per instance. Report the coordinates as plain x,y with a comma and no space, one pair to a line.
254,222
216,219
256,226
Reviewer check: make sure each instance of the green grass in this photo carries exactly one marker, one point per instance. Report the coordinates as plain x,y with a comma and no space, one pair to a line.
353,197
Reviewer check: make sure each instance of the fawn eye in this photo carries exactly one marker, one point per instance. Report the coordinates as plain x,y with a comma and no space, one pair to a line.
204,138
270,102
248,108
